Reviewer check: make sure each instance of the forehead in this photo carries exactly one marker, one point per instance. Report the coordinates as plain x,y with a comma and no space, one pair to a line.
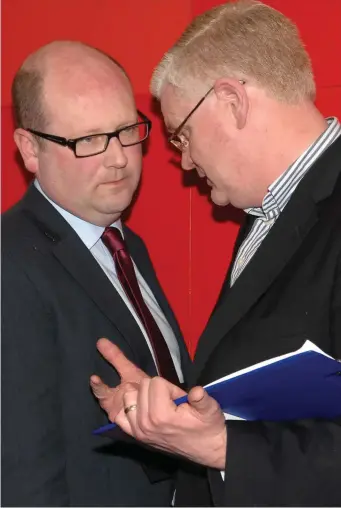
174,106
82,100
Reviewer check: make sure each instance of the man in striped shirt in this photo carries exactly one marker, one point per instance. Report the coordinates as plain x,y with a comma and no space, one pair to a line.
237,94
278,195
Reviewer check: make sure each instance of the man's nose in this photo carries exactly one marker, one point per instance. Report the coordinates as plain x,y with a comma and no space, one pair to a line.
115,154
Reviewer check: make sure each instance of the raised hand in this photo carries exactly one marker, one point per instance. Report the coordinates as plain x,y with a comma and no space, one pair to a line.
111,399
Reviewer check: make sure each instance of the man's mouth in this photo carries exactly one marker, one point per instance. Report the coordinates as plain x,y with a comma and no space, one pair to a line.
115,182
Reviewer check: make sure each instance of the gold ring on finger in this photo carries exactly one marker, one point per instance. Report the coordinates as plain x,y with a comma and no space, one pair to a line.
133,407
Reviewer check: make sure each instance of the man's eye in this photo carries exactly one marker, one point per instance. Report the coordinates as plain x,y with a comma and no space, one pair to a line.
87,141
131,129
93,140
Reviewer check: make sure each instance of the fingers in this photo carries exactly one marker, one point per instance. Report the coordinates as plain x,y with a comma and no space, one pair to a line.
126,369
148,405
111,399
196,395
99,389
125,418
162,393
199,399
160,401
124,423
151,403
103,391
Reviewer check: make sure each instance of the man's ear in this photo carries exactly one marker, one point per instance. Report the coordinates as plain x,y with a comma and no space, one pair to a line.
233,92
29,149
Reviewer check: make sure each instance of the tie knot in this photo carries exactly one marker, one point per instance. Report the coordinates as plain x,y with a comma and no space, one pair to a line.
113,240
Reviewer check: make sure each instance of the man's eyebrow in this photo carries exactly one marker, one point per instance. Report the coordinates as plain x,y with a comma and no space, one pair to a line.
99,130
89,132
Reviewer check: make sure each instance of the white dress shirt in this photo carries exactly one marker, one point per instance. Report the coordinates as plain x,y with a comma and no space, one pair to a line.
90,234
278,196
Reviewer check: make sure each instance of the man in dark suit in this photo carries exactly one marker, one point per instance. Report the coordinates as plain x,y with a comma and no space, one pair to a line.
63,288
237,93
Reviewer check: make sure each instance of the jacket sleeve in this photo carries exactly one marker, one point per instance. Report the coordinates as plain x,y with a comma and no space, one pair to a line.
33,459
287,464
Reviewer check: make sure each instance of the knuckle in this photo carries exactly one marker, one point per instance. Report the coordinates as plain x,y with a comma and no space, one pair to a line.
157,418
140,434
112,416
144,421
104,404
129,387
144,381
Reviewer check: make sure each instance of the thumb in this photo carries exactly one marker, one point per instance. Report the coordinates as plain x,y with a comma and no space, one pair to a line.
126,369
199,399
100,389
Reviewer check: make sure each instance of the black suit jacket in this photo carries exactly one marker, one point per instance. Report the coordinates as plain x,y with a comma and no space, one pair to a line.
289,292
56,303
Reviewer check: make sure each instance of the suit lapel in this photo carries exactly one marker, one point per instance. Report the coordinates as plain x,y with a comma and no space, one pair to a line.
243,232
69,250
275,252
90,276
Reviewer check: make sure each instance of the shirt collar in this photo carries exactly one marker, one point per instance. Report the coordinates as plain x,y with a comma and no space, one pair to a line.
88,233
280,191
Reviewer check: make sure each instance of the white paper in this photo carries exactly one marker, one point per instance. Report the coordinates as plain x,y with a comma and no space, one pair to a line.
232,417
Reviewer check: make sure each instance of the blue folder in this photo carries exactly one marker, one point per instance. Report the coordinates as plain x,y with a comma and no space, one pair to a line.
305,385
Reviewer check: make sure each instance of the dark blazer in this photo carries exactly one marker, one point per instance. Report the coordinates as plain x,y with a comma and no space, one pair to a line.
289,292
56,303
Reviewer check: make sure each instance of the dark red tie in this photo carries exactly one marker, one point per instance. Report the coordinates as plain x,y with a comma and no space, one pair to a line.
113,240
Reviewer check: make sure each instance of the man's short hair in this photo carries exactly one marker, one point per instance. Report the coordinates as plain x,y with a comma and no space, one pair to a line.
244,40
27,92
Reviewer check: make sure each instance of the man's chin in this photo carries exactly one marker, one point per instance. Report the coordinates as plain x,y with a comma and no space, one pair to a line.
219,199
117,208
114,207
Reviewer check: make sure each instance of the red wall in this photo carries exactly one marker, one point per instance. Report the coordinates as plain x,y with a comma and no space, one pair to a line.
189,243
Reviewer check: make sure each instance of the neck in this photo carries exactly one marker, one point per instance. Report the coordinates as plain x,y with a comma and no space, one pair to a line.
292,130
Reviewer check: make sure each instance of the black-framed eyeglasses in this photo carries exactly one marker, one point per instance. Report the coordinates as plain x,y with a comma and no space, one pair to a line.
94,144
180,142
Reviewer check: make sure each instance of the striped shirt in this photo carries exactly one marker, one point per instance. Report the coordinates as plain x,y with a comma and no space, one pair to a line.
278,195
